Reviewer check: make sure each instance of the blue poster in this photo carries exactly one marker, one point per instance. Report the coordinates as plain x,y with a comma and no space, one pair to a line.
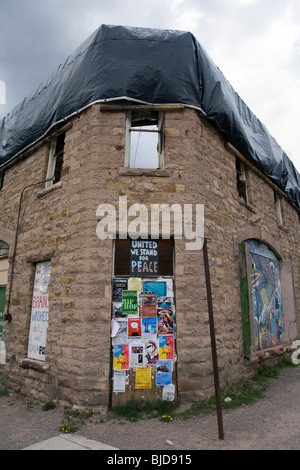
163,372
158,287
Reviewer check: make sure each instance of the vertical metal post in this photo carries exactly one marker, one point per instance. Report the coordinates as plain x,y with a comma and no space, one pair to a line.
213,342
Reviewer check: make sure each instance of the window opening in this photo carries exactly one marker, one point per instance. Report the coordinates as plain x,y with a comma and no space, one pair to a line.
2,174
56,156
278,207
4,249
144,139
39,312
241,179
143,321
266,295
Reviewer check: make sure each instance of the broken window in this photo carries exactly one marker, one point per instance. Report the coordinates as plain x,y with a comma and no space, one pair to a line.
4,249
241,179
278,207
55,162
144,139
2,173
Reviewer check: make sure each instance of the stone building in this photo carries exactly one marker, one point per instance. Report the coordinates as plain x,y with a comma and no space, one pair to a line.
81,324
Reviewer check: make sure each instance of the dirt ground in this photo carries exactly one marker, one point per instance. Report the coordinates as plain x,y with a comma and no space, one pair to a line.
273,423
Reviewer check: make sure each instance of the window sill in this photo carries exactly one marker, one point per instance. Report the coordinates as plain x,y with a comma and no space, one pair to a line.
143,172
49,189
283,228
258,356
34,364
247,205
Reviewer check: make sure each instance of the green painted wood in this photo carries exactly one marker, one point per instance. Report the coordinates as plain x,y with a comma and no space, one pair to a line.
244,293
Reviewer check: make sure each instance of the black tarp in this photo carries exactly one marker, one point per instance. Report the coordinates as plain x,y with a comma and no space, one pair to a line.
154,67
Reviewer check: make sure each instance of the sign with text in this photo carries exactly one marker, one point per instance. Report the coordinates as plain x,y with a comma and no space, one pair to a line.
143,258
39,312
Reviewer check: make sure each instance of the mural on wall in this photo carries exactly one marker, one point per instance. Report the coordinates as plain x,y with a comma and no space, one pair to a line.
266,294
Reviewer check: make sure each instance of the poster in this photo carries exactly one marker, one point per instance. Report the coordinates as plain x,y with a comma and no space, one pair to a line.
134,327
163,372
166,347
121,357
143,257
149,327
39,312
129,302
165,322
158,287
117,311
136,357
119,328
118,286
166,303
143,378
135,283
147,304
151,352
168,392
119,381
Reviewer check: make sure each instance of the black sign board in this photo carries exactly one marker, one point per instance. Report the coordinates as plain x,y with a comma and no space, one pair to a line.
144,258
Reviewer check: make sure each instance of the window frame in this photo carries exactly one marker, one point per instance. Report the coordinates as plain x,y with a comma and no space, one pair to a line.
160,136
242,180
54,170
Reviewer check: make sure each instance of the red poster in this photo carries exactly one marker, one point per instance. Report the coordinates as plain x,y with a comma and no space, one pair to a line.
134,327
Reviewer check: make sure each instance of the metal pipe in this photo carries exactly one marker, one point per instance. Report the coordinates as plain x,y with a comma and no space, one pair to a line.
8,316
213,342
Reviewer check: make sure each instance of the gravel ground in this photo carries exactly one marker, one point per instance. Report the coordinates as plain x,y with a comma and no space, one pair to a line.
273,423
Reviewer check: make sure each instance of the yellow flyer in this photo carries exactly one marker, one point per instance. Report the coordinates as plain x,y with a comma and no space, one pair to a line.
143,378
135,283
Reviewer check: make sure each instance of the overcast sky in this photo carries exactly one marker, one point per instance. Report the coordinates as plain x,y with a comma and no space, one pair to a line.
255,43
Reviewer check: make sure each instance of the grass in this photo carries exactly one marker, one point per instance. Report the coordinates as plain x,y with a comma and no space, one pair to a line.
241,393
74,419
143,409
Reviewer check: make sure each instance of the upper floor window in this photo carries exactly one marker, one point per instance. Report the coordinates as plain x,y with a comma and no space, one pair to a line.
241,179
55,161
4,249
2,173
144,139
278,207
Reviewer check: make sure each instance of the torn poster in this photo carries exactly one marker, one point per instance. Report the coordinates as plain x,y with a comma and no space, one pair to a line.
117,311
119,331
168,393
143,378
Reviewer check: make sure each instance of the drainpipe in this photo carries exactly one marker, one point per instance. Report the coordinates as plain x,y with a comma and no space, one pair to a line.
7,315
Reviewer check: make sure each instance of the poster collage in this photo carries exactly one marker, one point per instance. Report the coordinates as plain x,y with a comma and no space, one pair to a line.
143,332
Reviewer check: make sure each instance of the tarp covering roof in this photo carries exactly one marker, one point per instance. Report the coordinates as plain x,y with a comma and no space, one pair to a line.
154,67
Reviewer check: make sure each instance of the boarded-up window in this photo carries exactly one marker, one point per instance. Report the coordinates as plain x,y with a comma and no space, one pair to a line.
39,312
122,258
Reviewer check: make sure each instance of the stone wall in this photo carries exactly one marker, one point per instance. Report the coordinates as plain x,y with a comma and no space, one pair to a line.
60,224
